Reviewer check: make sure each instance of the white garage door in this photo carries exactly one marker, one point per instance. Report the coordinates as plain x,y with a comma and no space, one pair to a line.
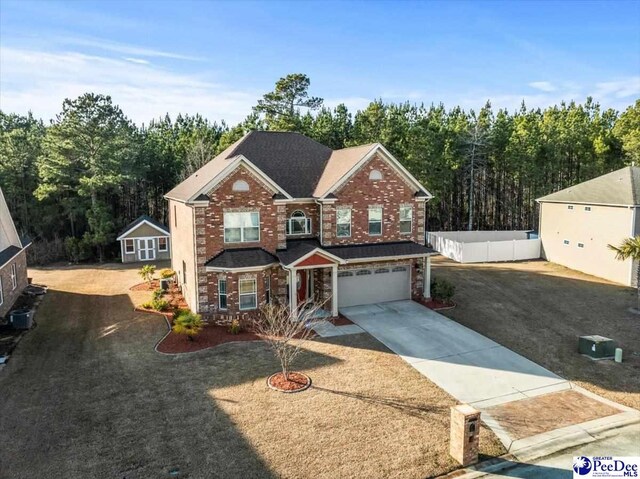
373,285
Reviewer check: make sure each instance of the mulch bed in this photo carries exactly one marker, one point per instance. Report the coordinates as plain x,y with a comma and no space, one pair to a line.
297,382
155,284
341,321
437,305
210,336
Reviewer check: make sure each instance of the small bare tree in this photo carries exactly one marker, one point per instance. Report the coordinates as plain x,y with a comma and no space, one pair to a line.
286,331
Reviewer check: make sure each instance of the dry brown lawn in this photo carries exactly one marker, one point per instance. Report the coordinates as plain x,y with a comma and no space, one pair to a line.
85,395
539,310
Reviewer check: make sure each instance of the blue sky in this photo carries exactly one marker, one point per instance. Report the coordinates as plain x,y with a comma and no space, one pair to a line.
218,58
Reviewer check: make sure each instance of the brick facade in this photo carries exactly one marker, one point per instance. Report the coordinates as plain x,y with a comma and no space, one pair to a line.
9,294
360,193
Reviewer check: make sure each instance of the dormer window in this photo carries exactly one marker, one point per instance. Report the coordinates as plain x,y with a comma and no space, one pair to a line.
240,185
375,175
298,224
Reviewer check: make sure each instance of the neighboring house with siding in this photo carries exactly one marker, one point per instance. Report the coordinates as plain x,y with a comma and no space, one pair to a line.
145,239
13,260
278,215
577,224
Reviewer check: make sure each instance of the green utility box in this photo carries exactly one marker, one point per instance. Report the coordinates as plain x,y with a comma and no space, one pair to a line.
596,347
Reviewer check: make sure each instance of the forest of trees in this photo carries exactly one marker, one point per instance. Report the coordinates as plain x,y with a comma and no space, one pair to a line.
72,184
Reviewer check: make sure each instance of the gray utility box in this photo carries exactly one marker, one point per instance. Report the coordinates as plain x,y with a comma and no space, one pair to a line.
21,319
596,347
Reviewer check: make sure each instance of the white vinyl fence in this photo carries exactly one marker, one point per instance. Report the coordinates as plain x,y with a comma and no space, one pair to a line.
485,246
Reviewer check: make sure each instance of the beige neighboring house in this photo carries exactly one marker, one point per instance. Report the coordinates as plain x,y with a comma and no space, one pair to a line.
577,224
13,260
145,239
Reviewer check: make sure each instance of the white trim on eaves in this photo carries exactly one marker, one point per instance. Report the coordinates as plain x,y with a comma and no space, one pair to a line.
133,228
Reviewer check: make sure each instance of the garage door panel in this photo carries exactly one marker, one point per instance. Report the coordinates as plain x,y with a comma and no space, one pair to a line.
373,285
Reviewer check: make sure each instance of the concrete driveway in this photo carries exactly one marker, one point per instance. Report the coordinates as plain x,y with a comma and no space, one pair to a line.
469,366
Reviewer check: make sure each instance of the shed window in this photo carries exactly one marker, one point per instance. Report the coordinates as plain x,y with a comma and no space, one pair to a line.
222,293
129,247
566,242
587,208
570,207
162,243
248,294
580,245
240,185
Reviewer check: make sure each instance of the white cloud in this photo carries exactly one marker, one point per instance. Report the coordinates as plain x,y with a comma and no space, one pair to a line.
624,88
543,86
139,61
40,81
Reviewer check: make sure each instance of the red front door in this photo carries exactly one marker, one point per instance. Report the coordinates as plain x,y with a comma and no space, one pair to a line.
302,286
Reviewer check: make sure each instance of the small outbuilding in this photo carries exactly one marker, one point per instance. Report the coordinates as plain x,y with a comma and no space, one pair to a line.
145,239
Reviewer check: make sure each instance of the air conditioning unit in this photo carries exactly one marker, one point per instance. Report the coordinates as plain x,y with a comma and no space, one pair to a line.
596,347
21,319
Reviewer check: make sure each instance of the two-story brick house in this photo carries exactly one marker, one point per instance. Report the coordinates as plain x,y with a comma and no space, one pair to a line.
279,216
13,260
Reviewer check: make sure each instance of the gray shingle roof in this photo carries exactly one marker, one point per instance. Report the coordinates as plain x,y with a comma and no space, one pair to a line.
297,249
620,187
292,160
378,250
8,253
139,220
241,258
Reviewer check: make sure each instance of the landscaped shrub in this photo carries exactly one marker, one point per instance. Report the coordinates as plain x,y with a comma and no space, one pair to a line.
187,323
147,272
157,293
167,273
235,327
147,305
442,290
160,304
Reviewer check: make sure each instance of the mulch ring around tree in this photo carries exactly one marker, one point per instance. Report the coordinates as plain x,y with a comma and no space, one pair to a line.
438,305
155,284
210,336
296,383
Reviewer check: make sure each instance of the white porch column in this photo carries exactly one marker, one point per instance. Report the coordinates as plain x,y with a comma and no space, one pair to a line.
293,290
334,290
427,277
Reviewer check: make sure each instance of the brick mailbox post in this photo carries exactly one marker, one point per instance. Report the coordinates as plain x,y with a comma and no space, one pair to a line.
465,434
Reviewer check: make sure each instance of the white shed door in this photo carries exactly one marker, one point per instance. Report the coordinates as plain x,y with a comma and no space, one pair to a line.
373,285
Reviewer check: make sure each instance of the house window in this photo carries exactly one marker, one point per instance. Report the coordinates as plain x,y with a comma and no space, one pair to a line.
375,175
587,208
14,276
241,227
184,273
343,222
566,242
240,185
128,246
406,219
375,221
162,243
580,245
1,293
570,207
267,288
298,224
222,293
248,294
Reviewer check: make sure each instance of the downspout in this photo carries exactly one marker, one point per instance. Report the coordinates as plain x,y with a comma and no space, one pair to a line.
632,235
321,221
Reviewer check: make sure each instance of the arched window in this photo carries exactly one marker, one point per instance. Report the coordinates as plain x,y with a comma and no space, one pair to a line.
241,185
298,224
375,175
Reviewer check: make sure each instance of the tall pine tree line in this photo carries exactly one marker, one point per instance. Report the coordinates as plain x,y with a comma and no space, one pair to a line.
72,184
